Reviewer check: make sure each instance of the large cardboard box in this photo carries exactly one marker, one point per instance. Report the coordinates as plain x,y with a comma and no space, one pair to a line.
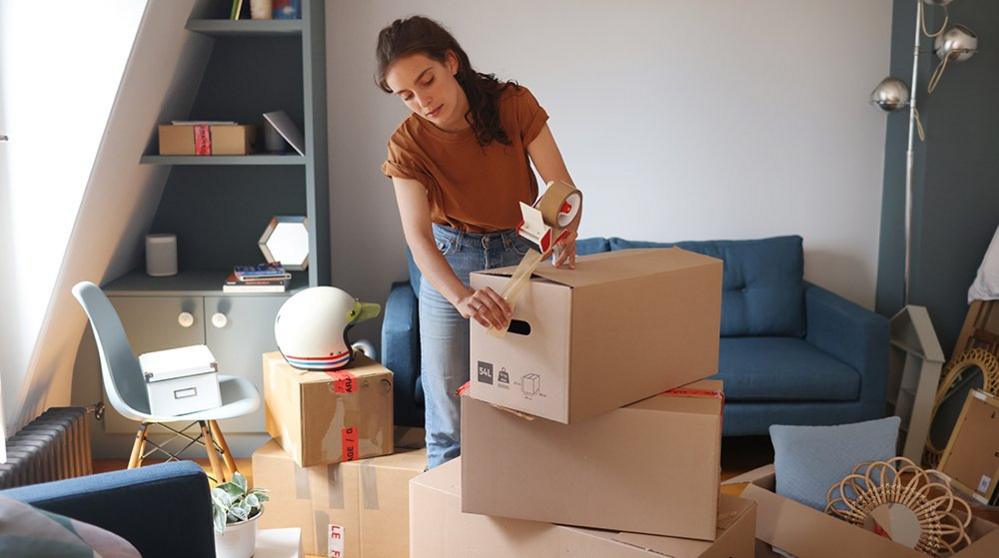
229,139
650,467
356,509
316,499
799,530
439,529
384,502
622,326
321,417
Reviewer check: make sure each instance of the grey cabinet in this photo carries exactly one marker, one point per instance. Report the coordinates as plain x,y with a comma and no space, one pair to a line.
238,330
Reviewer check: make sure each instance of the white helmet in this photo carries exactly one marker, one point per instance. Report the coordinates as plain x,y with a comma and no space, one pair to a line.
311,327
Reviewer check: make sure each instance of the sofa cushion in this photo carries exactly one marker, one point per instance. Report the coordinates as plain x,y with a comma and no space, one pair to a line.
762,286
783,369
584,246
592,245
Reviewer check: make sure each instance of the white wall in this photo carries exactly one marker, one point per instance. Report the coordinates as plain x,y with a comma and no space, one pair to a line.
60,66
679,120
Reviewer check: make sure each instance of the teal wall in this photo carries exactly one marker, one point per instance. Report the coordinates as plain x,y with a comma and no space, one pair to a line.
956,179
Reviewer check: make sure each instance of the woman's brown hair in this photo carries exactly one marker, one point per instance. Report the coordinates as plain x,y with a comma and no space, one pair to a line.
422,35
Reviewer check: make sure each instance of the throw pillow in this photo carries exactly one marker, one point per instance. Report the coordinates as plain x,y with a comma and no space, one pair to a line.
28,531
810,459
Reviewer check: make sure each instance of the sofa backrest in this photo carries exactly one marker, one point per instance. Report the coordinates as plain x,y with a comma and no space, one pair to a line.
762,283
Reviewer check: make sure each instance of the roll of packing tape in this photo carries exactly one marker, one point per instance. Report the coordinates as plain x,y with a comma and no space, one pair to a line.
560,204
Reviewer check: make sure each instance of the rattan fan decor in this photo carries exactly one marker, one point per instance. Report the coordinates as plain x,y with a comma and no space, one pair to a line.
912,506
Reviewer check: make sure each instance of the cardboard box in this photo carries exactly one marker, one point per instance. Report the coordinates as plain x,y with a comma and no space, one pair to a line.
439,529
971,458
221,139
321,418
312,499
802,531
384,502
651,467
621,327
359,509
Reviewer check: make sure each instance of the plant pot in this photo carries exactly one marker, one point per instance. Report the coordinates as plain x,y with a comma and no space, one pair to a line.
238,540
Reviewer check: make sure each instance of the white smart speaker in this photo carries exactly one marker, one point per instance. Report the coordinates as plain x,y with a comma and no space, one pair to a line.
161,255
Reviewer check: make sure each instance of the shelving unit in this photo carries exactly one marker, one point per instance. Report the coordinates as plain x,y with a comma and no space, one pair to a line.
218,206
255,159
244,27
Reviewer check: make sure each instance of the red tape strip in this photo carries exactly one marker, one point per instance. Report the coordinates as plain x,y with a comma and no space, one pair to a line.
349,436
461,391
691,392
202,139
343,382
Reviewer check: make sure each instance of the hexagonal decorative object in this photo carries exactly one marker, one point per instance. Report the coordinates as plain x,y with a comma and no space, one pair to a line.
286,240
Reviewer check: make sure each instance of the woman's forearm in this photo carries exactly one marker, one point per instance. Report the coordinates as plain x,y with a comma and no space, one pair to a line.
435,269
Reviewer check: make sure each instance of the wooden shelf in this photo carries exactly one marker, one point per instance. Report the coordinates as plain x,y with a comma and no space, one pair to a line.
189,283
222,160
245,27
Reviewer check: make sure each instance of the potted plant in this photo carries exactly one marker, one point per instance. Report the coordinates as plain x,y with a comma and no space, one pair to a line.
235,510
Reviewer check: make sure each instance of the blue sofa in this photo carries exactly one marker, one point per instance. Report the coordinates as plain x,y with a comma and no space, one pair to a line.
791,352
163,510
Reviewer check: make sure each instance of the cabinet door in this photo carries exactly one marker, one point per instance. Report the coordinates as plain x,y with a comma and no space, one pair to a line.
153,323
238,343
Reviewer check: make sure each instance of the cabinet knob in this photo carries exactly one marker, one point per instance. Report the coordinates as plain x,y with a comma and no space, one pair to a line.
185,319
219,320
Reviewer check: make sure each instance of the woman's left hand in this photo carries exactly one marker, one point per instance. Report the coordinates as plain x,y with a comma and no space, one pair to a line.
564,251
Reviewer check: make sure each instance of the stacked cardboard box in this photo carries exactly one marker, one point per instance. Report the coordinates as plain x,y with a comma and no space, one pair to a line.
330,467
576,420
345,510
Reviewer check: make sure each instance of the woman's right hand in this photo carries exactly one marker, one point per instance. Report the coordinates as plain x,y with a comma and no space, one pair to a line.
487,307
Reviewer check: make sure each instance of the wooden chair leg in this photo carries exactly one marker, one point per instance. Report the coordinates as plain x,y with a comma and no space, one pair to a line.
140,441
230,463
213,458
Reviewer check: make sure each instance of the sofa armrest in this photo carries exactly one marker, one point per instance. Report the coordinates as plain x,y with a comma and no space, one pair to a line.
854,335
401,351
163,510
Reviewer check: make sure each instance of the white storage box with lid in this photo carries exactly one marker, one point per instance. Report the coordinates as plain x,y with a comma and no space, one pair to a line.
181,380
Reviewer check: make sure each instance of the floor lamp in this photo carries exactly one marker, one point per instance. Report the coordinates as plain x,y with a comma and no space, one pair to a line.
916,355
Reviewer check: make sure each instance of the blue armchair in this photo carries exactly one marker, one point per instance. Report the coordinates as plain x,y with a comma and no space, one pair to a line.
163,510
791,352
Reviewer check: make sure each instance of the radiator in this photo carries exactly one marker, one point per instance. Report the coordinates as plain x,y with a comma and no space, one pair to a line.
54,446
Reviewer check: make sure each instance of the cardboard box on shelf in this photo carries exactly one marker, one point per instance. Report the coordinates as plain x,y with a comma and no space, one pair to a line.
321,418
650,467
352,509
799,530
622,326
439,529
971,458
314,499
188,139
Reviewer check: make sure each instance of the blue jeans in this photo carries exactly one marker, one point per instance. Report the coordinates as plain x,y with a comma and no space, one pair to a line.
444,333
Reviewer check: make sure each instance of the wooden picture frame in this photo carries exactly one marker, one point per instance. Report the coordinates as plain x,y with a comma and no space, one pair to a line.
973,448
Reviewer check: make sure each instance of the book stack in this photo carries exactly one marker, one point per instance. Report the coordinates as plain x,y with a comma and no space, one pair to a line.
261,278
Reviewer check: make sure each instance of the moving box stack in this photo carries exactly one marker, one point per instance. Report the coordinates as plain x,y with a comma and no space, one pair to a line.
330,468
587,428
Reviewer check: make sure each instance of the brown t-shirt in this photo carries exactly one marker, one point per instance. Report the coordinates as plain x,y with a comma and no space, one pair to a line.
471,188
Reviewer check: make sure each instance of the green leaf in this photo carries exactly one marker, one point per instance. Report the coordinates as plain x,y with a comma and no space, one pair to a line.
218,519
240,481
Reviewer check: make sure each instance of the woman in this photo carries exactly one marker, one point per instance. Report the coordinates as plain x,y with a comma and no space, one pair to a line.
459,165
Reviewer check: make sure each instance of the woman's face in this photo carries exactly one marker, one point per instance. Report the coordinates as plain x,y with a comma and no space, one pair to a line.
429,89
